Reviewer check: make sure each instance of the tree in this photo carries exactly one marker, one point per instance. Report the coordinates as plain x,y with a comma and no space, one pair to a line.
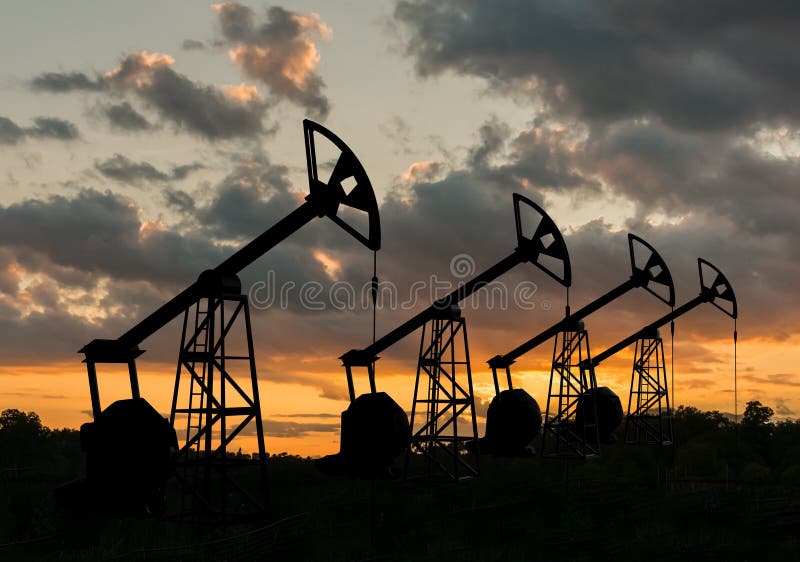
757,415
21,436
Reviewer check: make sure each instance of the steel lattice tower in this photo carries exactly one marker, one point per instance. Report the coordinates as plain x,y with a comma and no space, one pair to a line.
562,435
441,399
649,415
222,400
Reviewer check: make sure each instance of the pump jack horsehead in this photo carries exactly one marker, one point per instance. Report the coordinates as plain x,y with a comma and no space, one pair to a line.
131,450
375,429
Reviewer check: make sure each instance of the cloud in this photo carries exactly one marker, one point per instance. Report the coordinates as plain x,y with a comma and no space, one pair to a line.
102,233
58,82
427,170
280,428
619,60
278,51
781,379
398,131
124,170
252,196
43,127
10,132
212,112
54,128
315,415
782,409
124,117
192,45
208,111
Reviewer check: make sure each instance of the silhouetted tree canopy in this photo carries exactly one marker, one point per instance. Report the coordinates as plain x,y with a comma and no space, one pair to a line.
757,415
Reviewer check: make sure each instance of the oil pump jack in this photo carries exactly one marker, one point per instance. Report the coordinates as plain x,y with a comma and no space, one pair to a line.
579,414
131,450
649,417
375,430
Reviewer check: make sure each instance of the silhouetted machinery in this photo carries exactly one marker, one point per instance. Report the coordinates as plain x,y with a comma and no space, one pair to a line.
649,418
131,450
441,393
580,415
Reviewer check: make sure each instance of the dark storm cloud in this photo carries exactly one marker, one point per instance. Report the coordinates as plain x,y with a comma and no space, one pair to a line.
659,168
277,51
43,127
705,66
102,233
61,82
124,117
124,170
545,159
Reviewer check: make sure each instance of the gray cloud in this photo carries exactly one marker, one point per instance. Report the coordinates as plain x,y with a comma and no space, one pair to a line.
277,51
214,113
192,45
698,67
61,82
205,110
124,117
43,127
124,170
10,132
101,233
54,128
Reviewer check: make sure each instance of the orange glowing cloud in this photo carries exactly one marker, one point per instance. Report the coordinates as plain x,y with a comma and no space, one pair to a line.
241,93
332,266
138,68
280,53
426,170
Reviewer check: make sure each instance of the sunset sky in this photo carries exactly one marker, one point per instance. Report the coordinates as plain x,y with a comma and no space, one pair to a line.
143,142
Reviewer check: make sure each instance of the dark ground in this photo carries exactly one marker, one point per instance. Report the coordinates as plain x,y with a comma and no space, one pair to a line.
729,493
